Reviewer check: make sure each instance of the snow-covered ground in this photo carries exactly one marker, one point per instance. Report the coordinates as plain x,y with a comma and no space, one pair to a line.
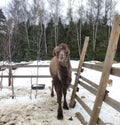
42,110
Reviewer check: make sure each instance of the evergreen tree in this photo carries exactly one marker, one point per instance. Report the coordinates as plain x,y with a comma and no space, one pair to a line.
102,43
19,42
50,37
3,29
71,36
2,22
86,31
31,51
61,32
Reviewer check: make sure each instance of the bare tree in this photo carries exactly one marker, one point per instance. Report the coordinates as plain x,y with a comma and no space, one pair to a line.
9,34
55,7
109,13
14,18
80,12
22,11
95,11
25,17
38,18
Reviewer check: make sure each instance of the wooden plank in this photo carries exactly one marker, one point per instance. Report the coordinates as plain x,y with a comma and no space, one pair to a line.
34,66
83,104
111,102
87,109
87,87
82,56
27,76
89,82
74,69
93,66
10,75
81,118
114,71
106,70
23,66
3,67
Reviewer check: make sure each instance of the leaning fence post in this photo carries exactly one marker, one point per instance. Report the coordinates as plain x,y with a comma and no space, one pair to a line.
82,56
113,41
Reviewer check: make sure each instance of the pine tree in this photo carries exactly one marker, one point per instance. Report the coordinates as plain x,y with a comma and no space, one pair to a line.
61,32
3,29
31,51
19,42
2,21
71,36
50,37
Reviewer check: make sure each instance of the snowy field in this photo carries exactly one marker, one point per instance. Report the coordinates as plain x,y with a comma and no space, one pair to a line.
42,110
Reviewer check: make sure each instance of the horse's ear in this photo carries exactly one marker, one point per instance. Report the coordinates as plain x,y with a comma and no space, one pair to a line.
56,51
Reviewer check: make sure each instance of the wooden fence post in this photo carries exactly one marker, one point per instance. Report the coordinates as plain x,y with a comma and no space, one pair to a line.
82,56
113,41
10,76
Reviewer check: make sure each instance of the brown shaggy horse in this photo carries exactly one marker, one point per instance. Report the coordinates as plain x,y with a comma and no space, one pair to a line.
60,70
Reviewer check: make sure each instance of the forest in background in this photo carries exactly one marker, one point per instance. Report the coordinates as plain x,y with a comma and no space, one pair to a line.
31,31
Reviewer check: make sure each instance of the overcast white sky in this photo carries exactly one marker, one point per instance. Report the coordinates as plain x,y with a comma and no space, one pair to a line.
3,4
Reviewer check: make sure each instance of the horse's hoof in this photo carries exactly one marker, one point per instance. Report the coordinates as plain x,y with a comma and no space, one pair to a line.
60,117
65,107
60,114
52,94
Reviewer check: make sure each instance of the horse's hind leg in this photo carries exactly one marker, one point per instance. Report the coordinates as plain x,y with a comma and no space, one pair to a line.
52,91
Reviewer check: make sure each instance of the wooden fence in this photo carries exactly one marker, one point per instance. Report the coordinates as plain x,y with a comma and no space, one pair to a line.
99,91
93,88
14,67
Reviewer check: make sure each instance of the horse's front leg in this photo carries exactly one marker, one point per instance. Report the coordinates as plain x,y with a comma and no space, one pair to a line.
59,99
65,106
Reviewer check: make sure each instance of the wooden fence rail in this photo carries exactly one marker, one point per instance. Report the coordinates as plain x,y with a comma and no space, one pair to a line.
98,67
113,103
27,76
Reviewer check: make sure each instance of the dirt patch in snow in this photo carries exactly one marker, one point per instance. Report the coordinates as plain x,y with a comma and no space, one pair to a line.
39,111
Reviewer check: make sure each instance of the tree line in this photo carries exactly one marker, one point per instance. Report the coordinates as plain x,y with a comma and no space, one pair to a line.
30,32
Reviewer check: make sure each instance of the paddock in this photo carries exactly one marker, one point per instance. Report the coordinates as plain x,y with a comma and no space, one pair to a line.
43,108
94,97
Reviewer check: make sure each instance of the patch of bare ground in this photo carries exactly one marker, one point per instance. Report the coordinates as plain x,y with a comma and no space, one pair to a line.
39,111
